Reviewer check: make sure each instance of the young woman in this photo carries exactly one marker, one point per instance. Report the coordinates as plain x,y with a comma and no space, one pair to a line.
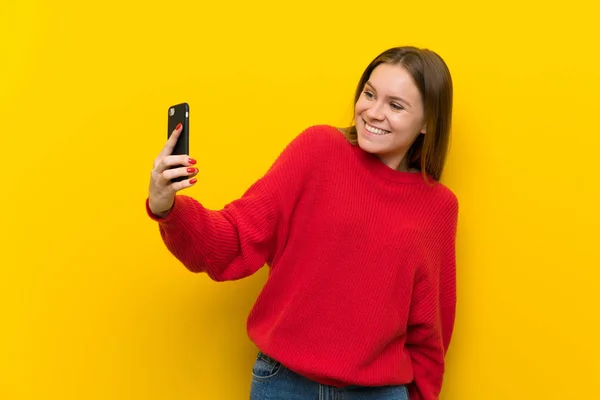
359,236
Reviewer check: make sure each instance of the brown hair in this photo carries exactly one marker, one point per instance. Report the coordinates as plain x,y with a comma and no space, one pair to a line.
432,77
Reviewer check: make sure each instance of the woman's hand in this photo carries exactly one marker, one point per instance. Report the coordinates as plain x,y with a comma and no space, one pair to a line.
161,194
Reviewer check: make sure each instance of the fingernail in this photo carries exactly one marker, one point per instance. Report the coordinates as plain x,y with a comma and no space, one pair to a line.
192,181
190,170
192,161
178,126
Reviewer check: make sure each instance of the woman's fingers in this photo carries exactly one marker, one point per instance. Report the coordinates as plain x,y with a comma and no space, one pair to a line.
169,145
186,183
169,162
172,173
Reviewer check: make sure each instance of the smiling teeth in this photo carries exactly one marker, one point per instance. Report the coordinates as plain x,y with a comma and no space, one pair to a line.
375,131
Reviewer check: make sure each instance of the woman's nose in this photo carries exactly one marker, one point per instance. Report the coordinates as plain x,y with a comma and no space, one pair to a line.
375,112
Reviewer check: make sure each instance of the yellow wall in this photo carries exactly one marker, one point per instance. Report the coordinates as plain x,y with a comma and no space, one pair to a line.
94,307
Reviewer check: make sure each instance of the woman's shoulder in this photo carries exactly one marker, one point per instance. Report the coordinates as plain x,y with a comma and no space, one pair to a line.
323,133
445,192
317,142
446,198
313,145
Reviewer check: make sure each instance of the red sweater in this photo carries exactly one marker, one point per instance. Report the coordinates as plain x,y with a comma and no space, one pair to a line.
361,287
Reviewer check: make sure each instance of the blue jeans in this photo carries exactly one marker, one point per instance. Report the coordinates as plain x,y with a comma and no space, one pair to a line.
273,381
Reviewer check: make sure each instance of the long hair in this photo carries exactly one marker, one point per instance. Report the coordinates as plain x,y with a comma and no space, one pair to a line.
432,77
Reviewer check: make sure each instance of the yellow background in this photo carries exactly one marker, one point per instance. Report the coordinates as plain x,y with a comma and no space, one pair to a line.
94,307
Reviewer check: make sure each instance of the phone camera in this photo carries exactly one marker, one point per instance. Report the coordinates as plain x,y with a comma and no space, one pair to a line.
171,111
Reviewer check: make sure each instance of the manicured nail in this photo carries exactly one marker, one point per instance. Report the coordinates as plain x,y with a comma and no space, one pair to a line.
190,170
178,126
192,181
192,161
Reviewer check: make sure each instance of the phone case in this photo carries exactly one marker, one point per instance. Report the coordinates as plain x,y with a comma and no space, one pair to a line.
180,114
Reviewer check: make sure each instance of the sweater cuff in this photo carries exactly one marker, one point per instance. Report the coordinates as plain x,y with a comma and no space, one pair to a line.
172,215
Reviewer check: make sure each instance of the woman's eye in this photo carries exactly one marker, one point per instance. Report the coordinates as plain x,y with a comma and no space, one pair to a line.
368,94
397,106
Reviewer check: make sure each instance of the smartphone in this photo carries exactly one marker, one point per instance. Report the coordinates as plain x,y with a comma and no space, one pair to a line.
180,114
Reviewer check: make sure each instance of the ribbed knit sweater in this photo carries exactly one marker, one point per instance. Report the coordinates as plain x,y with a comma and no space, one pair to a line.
361,286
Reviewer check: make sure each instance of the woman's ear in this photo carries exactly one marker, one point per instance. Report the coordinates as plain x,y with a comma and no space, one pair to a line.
424,130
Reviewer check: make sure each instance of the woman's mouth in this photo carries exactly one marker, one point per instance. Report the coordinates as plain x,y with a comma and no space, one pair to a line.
375,131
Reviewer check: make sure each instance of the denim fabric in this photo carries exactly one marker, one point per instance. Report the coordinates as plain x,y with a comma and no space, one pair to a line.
273,381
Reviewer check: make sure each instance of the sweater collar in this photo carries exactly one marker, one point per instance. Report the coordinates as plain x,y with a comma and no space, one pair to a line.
381,170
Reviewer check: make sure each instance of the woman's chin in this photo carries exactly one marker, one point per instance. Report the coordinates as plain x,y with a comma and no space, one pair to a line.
367,145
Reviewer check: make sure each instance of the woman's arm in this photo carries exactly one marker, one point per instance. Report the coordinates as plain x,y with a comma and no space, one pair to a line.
236,241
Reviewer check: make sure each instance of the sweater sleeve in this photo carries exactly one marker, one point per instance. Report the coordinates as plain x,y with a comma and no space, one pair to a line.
236,241
432,313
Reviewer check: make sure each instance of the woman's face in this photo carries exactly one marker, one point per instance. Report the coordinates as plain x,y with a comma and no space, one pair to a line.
389,114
